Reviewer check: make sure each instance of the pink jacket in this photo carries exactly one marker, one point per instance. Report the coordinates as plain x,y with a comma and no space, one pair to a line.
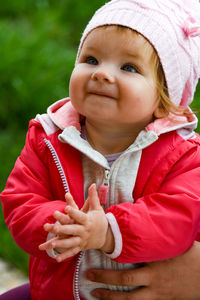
165,215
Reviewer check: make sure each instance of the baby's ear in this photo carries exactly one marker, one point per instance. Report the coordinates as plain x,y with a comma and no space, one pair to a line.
160,113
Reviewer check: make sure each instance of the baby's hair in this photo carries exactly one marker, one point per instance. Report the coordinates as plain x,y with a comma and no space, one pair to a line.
166,106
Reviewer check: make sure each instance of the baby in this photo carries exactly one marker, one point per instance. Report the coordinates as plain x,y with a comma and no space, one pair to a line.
121,151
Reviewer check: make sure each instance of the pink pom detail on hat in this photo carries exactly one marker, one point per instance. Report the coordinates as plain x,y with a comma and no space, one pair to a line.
172,27
191,28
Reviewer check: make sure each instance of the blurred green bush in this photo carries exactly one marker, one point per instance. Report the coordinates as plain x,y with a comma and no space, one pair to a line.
38,39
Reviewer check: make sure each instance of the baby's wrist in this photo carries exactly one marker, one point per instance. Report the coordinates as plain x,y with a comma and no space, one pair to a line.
109,244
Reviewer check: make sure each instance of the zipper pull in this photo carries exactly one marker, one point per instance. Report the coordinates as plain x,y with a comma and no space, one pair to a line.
104,188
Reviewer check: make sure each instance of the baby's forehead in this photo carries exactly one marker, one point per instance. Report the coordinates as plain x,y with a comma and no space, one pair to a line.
121,31
126,37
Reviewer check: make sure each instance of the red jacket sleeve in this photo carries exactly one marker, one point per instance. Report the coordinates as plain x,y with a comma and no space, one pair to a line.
163,224
27,199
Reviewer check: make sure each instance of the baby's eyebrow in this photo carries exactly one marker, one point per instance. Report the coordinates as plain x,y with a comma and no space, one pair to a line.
133,55
91,48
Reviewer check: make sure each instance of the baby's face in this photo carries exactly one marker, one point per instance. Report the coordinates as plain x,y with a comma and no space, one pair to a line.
113,81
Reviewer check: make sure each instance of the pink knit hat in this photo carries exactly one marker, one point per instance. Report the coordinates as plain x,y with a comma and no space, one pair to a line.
172,27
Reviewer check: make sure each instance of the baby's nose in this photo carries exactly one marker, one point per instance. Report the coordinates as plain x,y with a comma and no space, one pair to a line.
103,76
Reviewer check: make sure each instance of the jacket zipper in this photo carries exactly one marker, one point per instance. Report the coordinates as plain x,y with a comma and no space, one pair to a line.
104,189
106,177
58,165
76,276
103,193
66,189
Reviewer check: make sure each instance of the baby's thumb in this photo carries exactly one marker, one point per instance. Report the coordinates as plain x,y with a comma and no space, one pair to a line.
93,198
85,207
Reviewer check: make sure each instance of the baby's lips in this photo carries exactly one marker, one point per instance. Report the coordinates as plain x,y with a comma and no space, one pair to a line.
105,91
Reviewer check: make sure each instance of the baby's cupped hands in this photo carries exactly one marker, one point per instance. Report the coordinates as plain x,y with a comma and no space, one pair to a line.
87,231
62,218
90,223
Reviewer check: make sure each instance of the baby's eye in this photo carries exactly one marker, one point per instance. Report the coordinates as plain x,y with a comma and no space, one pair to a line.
91,60
129,68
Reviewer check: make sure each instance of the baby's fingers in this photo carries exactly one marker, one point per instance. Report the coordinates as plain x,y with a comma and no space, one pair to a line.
93,198
92,201
47,245
56,229
68,230
70,200
85,207
51,228
77,215
48,227
62,218
68,253
71,245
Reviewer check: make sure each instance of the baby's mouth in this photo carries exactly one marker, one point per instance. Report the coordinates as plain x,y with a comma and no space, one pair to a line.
101,93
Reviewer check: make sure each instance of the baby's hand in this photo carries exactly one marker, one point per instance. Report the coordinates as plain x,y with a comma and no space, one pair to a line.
62,219
89,231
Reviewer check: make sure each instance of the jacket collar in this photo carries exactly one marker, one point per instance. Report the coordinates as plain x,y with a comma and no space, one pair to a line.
174,122
64,115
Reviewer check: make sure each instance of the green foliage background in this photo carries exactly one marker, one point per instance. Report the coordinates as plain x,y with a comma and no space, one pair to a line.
38,39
